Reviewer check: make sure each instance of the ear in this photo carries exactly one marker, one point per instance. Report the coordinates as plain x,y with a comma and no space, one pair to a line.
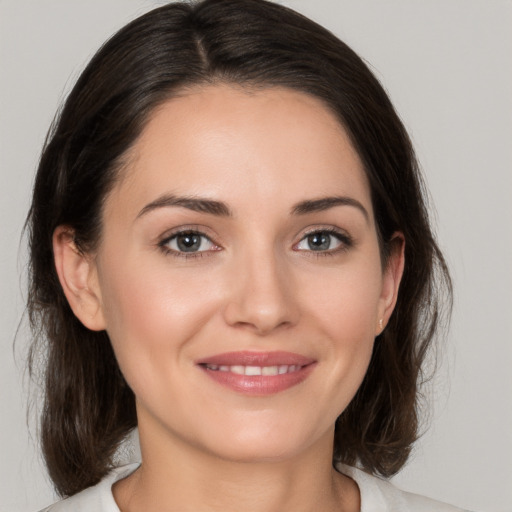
79,280
391,277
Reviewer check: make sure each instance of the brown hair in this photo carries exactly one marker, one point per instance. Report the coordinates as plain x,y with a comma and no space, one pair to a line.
88,408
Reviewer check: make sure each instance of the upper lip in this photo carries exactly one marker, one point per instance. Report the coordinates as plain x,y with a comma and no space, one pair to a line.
249,358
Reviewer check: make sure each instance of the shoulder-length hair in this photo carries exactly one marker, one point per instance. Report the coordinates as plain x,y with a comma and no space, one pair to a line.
88,408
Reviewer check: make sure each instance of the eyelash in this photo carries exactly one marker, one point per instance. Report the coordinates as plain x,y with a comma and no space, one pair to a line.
164,244
346,242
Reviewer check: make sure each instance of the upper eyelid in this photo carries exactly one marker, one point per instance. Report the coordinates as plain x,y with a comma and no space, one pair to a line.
199,230
323,229
185,232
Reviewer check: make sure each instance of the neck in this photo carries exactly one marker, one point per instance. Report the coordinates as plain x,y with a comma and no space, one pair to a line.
183,478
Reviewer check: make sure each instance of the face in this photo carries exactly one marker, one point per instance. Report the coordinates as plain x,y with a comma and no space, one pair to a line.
238,274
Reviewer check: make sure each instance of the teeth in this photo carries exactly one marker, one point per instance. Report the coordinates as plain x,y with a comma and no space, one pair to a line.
252,370
255,370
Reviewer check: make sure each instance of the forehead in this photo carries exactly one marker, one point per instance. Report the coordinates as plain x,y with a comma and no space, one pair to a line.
227,140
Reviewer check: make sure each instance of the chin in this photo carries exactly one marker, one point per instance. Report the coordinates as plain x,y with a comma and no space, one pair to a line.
265,444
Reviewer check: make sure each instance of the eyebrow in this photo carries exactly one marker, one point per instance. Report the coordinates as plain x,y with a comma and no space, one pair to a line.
325,203
195,204
221,209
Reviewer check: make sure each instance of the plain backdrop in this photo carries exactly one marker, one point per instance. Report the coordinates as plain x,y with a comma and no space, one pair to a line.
447,65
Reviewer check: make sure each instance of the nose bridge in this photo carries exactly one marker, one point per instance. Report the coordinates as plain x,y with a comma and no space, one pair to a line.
262,298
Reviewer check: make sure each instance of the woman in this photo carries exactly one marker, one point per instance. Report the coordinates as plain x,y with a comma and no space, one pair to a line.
230,250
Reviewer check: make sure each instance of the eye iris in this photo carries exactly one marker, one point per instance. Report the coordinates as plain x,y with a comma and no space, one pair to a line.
188,242
319,241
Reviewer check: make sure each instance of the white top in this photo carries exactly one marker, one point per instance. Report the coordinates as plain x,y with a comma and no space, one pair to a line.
376,495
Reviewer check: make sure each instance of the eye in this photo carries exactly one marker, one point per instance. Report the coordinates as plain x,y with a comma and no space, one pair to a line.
188,242
323,241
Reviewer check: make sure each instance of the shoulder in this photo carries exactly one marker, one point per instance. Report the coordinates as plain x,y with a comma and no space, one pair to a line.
379,495
97,498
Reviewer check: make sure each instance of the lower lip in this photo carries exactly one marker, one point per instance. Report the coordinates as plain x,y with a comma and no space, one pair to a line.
259,385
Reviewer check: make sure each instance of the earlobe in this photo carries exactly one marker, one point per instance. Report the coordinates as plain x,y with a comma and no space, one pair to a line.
392,275
78,278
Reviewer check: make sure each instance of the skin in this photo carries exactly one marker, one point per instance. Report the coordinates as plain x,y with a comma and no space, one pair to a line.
256,286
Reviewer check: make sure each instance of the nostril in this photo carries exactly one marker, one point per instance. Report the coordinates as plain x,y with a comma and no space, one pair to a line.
261,298
259,320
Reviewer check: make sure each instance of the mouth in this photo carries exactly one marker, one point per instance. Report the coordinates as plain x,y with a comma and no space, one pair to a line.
255,370
257,373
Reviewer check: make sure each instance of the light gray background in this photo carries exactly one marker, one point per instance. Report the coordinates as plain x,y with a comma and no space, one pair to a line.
448,67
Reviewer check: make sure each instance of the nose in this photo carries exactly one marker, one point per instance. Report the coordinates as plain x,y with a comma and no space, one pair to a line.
262,298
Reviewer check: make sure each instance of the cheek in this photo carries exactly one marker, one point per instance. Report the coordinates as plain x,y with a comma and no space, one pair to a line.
345,310
346,302
152,312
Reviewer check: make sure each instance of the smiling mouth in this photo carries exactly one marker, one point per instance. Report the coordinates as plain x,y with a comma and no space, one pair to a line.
255,370
257,373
